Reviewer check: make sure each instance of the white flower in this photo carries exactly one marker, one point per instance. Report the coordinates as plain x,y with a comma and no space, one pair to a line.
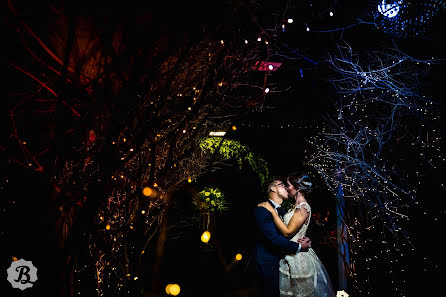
307,183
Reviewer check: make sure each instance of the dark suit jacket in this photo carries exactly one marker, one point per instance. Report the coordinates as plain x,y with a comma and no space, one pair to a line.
269,246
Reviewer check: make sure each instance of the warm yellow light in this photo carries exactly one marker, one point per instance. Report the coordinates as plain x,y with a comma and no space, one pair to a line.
14,258
168,289
238,257
107,227
135,278
217,133
234,128
174,289
205,236
155,185
143,211
147,191
189,179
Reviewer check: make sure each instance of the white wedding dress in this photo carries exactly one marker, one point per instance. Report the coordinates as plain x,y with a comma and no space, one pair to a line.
303,274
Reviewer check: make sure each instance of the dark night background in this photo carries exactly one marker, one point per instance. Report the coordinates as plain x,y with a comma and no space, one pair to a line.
277,134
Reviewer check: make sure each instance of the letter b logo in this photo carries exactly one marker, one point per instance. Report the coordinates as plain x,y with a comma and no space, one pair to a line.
22,274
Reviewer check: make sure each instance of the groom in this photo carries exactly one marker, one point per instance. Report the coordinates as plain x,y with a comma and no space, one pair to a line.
270,245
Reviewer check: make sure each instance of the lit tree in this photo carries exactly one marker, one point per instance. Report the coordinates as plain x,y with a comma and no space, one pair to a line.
116,106
379,111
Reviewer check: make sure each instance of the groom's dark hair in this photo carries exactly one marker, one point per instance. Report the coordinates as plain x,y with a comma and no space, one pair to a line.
270,184
268,187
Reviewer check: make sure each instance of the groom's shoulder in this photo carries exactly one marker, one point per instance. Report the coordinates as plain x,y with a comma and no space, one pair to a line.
260,210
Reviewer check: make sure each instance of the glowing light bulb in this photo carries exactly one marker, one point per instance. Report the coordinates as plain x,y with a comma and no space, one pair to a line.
147,191
174,289
290,21
205,236
168,289
331,13
270,67
238,257
267,90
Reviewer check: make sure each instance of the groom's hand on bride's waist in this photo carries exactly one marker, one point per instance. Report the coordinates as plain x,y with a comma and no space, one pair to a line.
305,243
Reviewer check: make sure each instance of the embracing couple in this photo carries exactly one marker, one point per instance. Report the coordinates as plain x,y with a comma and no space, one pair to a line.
285,264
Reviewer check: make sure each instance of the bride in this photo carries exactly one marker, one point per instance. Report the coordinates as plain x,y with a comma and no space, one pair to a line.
302,274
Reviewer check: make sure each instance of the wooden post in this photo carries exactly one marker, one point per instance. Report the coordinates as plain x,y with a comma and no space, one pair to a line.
343,253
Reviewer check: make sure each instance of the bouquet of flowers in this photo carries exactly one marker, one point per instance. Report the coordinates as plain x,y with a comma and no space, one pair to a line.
210,200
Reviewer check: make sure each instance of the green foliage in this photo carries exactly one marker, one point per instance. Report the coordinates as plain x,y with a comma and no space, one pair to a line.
210,200
233,149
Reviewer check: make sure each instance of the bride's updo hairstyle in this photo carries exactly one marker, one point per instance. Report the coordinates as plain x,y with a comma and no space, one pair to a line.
301,182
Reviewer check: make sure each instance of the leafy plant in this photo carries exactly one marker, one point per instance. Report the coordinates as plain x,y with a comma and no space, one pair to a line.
210,200
233,149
